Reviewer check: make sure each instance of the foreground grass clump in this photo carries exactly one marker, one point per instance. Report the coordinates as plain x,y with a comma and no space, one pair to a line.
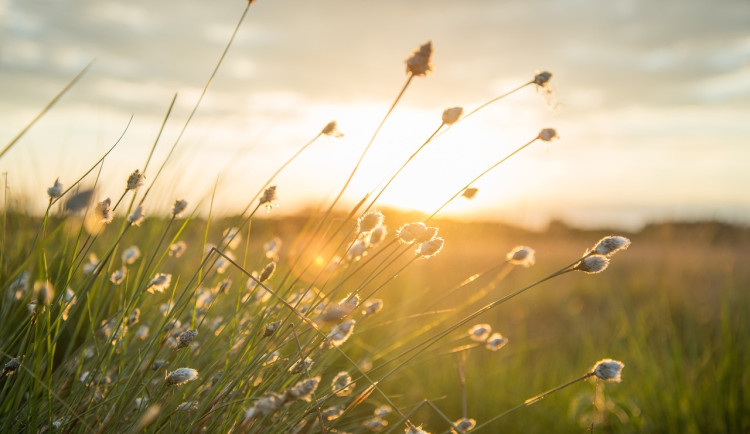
344,319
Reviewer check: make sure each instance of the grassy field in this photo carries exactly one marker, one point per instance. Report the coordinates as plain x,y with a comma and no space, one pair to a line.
673,308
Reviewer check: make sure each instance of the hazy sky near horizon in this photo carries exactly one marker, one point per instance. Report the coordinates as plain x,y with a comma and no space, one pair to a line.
651,100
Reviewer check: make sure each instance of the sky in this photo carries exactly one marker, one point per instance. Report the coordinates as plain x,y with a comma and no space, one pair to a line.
651,100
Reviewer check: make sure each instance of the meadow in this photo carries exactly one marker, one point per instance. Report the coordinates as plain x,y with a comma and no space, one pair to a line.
361,319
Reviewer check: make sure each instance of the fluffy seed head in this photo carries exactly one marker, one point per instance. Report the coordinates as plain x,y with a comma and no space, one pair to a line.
608,370
268,196
418,63
377,235
12,366
186,338
131,254
340,333
375,424
267,272
382,411
177,249
356,250
592,264
610,245
268,403
301,366
181,376
332,413
342,384
542,78
464,425
56,190
548,134
480,332
103,213
451,115
159,283
411,232
411,429
135,180
521,255
136,217
431,248
271,328
135,315
331,129
178,207
372,307
496,341
118,276
304,389
370,221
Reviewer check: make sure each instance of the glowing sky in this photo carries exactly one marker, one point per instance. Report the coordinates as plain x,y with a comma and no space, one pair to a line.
652,102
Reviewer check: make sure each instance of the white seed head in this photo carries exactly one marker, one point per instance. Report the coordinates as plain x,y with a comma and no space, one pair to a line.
430,248
159,283
411,429
377,235
179,207
12,366
608,370
135,180
356,250
452,115
331,129
177,249
496,341
480,332
301,366
464,425
592,264
181,376
268,404
370,221
268,196
131,254
103,211
610,245
118,276
411,232
375,424
382,411
304,389
56,190
418,64
342,384
136,217
267,272
548,134
340,333
134,317
271,328
521,255
332,413
186,338
372,307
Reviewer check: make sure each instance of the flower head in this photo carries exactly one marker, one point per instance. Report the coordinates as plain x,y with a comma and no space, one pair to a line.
470,192
103,212
342,384
370,221
610,245
377,235
356,250
548,134
372,307
418,63
181,376
268,197
431,247
267,272
118,276
331,129
340,333
131,254
186,338
159,283
542,78
135,180
452,115
136,217
412,232
496,341
56,190
178,207
464,425
608,370
521,255
177,249
592,264
480,332
304,389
